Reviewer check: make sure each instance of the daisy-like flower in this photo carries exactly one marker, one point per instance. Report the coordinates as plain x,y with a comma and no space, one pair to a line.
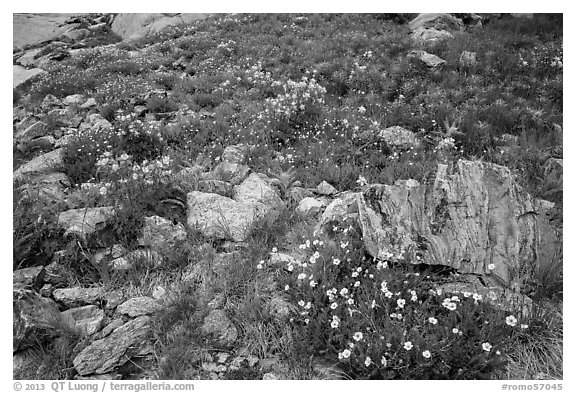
350,301
313,283
345,354
408,345
354,274
301,303
358,336
335,322
290,268
426,354
433,320
301,276
343,291
486,347
401,303
368,361
384,361
455,331
384,286
467,294
373,304
523,326
357,284
451,306
103,190
336,261
287,287
274,249
388,294
511,320
476,297
491,266
334,305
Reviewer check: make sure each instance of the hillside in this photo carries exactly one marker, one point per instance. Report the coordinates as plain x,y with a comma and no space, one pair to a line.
274,196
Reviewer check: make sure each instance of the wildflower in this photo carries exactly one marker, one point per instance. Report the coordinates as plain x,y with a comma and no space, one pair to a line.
426,354
451,306
343,291
103,191
335,322
350,301
274,249
384,361
259,266
361,109
373,304
336,261
358,336
290,267
491,266
408,345
523,326
356,284
487,347
354,274
345,354
401,303
368,361
467,294
301,303
384,286
344,245
334,305
313,283
287,287
476,297
455,331
511,320
301,276
433,320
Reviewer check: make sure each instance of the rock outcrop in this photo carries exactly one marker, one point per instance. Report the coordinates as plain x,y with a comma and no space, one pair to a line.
134,26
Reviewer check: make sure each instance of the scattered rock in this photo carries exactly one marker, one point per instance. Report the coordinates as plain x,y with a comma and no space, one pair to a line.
34,317
221,217
28,58
58,275
310,206
325,188
74,99
21,75
35,130
103,355
87,320
256,189
43,164
90,102
135,26
29,277
219,187
430,60
436,21
78,296
422,35
85,221
113,325
218,326
139,306
230,172
399,138
269,376
343,208
46,290
235,154
160,233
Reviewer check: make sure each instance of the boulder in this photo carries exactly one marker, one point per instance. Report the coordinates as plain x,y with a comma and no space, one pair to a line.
257,189
218,326
35,130
221,217
436,21
58,275
34,317
399,138
135,26
422,35
78,296
141,257
43,164
310,206
89,103
430,60
74,99
77,34
29,277
137,306
95,122
219,187
44,143
475,219
235,154
326,188
230,172
341,209
21,75
103,355
28,58
85,221
159,233
86,320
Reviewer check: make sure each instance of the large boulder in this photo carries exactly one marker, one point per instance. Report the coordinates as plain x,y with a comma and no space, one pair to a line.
86,320
423,35
78,296
34,317
135,26
102,356
475,219
257,189
221,217
436,21
21,75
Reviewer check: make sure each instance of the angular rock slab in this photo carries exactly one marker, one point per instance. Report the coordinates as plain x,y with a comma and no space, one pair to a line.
137,306
45,163
33,317
468,219
256,189
430,60
87,319
221,217
102,356
436,21
423,35
78,296
22,75
28,277
84,221
159,231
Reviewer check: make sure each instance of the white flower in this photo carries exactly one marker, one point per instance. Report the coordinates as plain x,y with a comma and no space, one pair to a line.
357,284
103,191
290,268
383,361
373,304
335,322
487,347
426,354
358,336
274,249
301,303
408,345
334,305
361,109
523,326
491,266
511,320
343,291
313,283
350,301
455,331
301,276
287,287
401,303
336,261
368,361
433,320
346,353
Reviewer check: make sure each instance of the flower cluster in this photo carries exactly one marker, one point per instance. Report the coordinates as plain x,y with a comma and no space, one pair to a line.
297,96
